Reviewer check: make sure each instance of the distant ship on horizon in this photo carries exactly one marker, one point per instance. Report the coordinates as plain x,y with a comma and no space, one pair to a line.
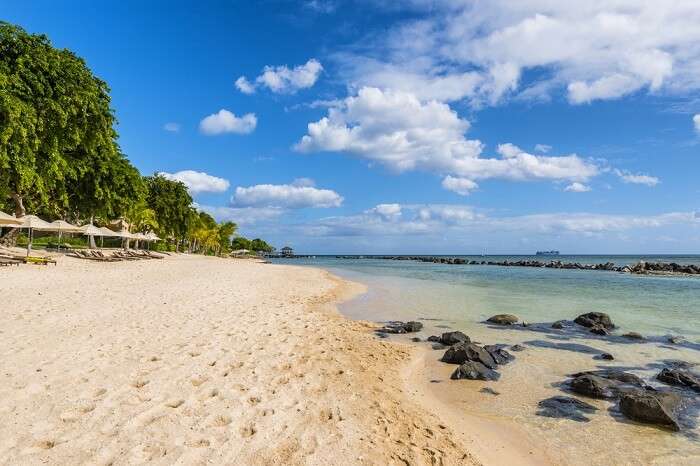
547,253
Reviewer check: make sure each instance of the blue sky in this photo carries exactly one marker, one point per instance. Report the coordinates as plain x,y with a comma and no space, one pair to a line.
431,127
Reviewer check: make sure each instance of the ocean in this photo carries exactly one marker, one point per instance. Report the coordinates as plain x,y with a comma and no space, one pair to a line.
461,297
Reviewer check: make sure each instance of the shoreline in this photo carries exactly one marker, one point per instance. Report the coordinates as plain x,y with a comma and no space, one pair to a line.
194,359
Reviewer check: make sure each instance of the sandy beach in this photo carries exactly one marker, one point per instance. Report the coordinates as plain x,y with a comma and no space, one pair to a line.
194,360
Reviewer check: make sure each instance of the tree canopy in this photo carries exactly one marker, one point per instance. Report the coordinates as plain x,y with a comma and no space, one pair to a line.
59,156
58,150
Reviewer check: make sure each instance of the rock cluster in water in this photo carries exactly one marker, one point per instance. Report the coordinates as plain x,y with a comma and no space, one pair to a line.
635,399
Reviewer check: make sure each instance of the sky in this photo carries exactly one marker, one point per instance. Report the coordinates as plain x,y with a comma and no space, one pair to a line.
415,127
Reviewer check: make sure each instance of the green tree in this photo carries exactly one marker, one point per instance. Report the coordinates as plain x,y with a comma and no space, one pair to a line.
240,242
259,245
58,148
172,205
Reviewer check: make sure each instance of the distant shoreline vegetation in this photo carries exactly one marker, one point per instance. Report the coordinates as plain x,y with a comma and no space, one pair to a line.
59,157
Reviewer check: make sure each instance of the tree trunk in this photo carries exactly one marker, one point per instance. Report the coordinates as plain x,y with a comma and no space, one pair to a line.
9,239
19,205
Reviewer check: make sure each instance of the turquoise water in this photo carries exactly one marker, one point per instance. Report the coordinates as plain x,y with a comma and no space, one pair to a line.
461,297
653,305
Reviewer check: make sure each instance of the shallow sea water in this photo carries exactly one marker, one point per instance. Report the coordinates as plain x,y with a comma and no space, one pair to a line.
461,297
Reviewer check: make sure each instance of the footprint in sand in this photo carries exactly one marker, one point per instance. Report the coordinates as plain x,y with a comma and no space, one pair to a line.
253,400
139,383
174,403
248,430
45,444
222,420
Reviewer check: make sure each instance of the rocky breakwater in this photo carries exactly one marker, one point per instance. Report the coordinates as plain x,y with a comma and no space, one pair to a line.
640,268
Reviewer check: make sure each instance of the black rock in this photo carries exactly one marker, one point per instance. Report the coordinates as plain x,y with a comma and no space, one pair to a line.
500,355
633,336
592,319
652,407
599,330
413,326
434,338
503,319
438,346
616,376
559,324
680,378
607,357
452,338
565,407
474,370
463,352
676,340
517,348
416,339
593,386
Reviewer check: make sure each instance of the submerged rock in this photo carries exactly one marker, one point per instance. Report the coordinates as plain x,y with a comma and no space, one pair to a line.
652,408
676,340
615,375
401,327
633,336
463,352
599,330
503,319
593,386
565,407
680,378
606,357
559,324
416,339
474,370
490,391
517,348
591,319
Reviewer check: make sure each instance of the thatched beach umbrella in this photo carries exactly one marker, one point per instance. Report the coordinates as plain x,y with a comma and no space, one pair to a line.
9,220
32,222
63,226
90,231
107,233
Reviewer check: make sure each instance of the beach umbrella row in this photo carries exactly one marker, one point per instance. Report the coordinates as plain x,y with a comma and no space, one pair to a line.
32,222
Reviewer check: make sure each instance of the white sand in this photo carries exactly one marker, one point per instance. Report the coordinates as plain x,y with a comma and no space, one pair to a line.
194,360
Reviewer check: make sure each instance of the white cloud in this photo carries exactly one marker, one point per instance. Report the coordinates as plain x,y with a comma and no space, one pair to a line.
577,187
282,79
463,186
633,178
592,50
542,148
198,182
226,122
696,122
244,85
399,131
172,127
244,215
292,196
432,219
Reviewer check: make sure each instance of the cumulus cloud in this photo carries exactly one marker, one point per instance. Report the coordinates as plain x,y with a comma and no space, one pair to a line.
577,187
227,122
542,148
293,196
245,86
463,186
244,215
591,50
282,79
172,127
633,178
399,131
696,122
198,182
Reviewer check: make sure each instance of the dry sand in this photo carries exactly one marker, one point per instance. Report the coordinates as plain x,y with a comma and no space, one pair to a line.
194,360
